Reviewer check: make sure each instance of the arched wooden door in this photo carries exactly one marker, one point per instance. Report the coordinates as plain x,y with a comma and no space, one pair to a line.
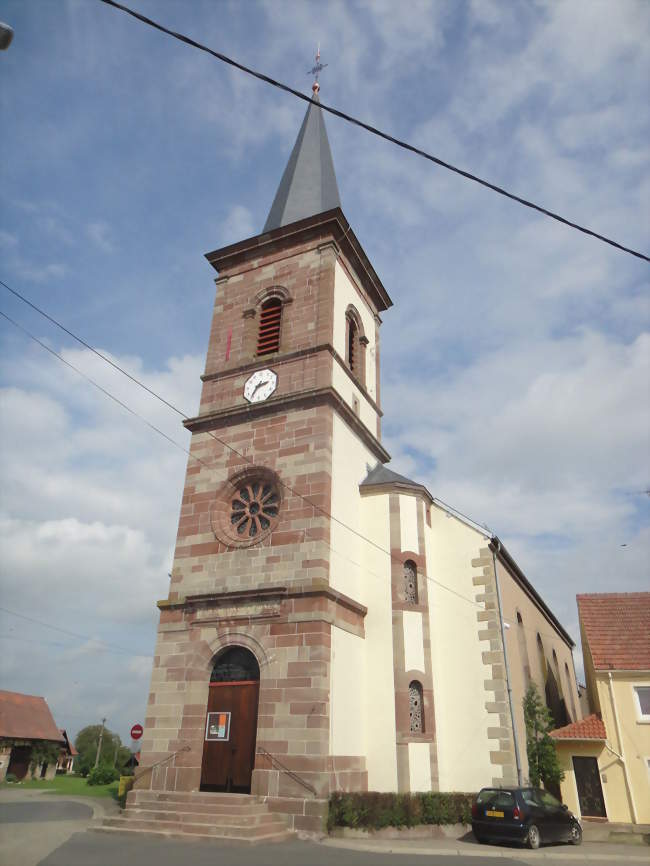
231,723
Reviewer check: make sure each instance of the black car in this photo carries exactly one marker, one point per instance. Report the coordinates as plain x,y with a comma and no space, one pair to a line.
528,815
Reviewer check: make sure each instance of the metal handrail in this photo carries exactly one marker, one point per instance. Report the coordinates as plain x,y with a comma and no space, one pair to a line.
280,766
158,763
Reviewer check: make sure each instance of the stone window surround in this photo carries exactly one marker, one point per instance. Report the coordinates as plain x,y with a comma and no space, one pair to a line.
399,559
251,314
220,515
358,371
416,708
411,593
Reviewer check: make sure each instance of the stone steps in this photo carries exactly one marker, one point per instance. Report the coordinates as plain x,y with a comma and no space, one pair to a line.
236,818
209,818
222,809
171,834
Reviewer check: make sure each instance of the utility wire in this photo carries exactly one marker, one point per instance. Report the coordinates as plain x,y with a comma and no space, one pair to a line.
448,508
198,459
103,390
374,130
70,633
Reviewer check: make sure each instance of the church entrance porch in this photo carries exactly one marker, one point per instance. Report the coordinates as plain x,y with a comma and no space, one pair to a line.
231,723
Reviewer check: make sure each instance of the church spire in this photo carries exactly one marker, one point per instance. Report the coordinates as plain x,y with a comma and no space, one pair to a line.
308,185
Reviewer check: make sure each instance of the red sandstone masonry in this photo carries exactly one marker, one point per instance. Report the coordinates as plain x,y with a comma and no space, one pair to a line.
291,637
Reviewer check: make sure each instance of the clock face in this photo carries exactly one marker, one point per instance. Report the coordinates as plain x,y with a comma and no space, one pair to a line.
260,386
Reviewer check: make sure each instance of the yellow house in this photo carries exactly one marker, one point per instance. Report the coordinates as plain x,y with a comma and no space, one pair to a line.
606,757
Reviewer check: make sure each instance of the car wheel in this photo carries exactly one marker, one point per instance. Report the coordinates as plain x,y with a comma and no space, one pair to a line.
576,834
533,837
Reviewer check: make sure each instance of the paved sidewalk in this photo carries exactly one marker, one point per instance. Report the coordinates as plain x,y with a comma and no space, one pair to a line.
34,823
590,851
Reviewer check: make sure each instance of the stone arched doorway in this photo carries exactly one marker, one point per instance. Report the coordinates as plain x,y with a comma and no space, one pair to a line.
231,722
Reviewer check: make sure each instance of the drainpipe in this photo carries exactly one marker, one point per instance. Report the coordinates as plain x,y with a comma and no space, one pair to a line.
520,780
621,747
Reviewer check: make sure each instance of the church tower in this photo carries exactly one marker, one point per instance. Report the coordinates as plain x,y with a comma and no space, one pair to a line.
265,599
330,625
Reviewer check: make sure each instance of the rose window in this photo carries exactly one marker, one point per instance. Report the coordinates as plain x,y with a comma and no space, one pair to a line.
254,507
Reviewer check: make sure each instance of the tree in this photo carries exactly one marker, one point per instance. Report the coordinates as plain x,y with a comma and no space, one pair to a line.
543,763
43,753
86,743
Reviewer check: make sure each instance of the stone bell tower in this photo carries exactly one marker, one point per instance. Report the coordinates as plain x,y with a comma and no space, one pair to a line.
263,629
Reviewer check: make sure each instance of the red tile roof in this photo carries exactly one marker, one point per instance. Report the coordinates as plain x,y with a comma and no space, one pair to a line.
617,629
69,745
591,728
26,717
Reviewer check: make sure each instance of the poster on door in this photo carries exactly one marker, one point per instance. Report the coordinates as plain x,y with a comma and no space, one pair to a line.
218,726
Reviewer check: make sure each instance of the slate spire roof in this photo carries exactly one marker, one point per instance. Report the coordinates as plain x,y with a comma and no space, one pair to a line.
382,475
308,186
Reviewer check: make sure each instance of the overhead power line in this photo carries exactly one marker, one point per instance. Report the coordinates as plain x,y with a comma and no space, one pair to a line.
451,510
374,130
73,634
100,387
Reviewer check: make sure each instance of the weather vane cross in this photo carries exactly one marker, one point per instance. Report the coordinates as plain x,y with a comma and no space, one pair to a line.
315,71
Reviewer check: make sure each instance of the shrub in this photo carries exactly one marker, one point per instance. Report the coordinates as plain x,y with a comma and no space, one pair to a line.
374,810
10,778
102,775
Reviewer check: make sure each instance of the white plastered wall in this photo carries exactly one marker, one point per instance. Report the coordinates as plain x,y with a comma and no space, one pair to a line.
408,520
413,641
458,670
419,767
347,389
345,294
362,571
347,705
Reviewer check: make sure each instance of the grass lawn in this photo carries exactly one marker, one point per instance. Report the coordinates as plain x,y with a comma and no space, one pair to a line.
71,785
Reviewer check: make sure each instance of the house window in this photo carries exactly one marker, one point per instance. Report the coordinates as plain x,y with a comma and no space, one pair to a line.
410,582
416,709
268,337
642,694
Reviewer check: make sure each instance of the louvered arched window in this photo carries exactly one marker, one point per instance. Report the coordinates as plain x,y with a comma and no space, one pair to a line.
268,337
352,348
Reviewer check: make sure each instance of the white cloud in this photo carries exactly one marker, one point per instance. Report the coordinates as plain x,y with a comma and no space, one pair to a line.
7,240
237,225
100,233
39,273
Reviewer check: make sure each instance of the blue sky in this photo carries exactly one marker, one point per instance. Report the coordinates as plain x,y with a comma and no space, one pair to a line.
515,359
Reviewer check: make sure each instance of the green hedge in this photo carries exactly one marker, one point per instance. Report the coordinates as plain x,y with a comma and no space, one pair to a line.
102,775
371,810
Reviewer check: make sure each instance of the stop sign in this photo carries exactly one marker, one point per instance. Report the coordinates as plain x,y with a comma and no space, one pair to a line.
136,732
